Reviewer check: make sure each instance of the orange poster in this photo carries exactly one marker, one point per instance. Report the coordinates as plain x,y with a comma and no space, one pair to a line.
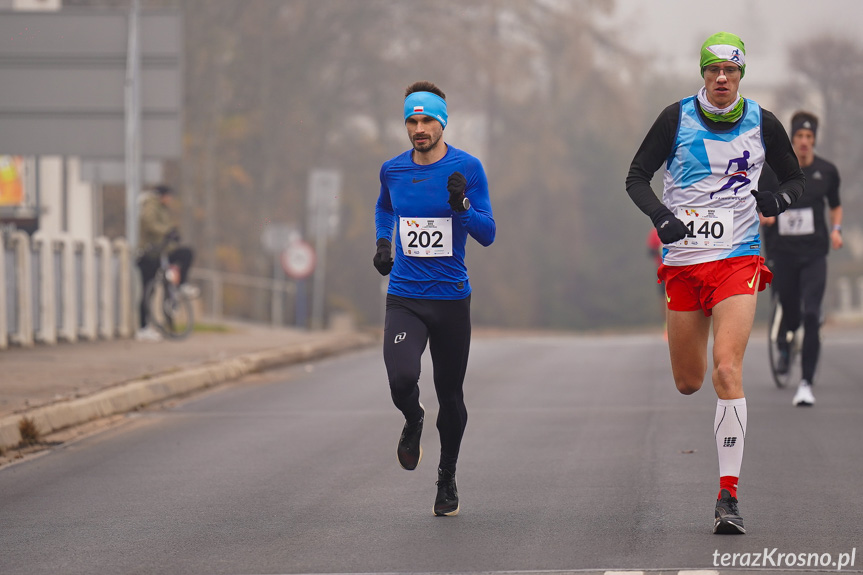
11,181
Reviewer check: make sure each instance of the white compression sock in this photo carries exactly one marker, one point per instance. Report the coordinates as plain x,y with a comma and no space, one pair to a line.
729,429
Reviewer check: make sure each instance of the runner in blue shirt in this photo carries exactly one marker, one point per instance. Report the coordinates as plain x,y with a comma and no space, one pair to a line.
433,196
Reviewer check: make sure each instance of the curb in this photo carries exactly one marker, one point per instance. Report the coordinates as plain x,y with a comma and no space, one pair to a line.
145,391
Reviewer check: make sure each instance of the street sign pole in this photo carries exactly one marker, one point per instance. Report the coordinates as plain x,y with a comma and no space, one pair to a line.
277,316
320,270
133,148
298,263
322,208
301,307
133,128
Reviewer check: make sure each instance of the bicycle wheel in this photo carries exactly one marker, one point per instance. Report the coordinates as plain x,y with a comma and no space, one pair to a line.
170,311
780,377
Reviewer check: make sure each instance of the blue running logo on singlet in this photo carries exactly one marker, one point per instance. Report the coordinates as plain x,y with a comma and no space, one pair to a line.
739,178
714,170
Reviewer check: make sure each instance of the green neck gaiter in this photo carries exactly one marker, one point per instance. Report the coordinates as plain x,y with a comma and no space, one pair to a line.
713,113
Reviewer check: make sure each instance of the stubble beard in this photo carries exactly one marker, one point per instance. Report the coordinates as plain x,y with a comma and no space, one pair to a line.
428,146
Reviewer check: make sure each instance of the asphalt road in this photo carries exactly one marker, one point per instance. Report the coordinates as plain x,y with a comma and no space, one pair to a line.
579,456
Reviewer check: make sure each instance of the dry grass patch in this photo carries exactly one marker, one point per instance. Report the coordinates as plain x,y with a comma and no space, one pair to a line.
29,432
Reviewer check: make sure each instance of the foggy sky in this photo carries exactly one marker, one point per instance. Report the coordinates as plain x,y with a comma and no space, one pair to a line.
673,30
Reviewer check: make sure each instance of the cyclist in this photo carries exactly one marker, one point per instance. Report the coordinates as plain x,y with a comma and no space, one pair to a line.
158,232
711,258
797,243
435,196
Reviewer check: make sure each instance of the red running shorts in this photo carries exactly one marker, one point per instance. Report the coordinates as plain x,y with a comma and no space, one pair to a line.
702,286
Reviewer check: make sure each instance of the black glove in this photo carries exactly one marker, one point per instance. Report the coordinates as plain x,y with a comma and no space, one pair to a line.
669,228
383,259
456,185
771,203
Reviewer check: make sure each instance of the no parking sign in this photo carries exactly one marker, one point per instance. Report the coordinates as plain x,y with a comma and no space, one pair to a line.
298,260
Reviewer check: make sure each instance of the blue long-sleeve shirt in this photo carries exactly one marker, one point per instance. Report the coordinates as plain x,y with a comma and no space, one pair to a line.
419,192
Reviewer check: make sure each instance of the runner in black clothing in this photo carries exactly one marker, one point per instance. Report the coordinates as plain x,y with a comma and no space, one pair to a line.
797,244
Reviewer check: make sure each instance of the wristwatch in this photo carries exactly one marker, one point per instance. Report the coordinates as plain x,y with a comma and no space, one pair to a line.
465,203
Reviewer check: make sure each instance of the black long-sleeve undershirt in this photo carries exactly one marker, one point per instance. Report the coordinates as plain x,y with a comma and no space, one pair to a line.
658,146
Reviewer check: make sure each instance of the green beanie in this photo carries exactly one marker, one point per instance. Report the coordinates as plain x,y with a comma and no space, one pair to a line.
723,47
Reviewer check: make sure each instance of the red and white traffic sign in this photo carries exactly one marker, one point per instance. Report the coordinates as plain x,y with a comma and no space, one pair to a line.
298,260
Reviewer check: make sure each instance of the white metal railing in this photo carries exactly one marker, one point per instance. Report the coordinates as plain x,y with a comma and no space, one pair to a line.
56,288
59,288
282,292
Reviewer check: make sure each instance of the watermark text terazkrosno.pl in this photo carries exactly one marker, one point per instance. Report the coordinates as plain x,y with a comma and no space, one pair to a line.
775,558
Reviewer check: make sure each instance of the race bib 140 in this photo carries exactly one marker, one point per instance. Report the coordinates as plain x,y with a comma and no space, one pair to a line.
707,227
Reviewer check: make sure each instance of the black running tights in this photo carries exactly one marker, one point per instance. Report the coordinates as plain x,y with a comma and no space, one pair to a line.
800,282
445,326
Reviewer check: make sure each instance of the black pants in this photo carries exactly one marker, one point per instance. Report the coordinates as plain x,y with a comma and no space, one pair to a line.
445,326
182,257
800,282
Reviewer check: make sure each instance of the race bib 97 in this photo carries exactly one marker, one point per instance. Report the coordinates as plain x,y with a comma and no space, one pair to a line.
797,222
707,227
426,237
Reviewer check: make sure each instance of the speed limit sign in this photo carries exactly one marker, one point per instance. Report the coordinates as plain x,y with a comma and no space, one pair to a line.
298,260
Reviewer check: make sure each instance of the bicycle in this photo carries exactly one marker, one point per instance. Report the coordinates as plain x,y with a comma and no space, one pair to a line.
793,344
170,310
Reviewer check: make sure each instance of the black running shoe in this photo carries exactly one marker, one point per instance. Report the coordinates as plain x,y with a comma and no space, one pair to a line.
728,520
410,451
446,502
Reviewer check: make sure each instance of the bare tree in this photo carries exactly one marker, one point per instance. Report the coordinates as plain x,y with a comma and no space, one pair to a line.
275,89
